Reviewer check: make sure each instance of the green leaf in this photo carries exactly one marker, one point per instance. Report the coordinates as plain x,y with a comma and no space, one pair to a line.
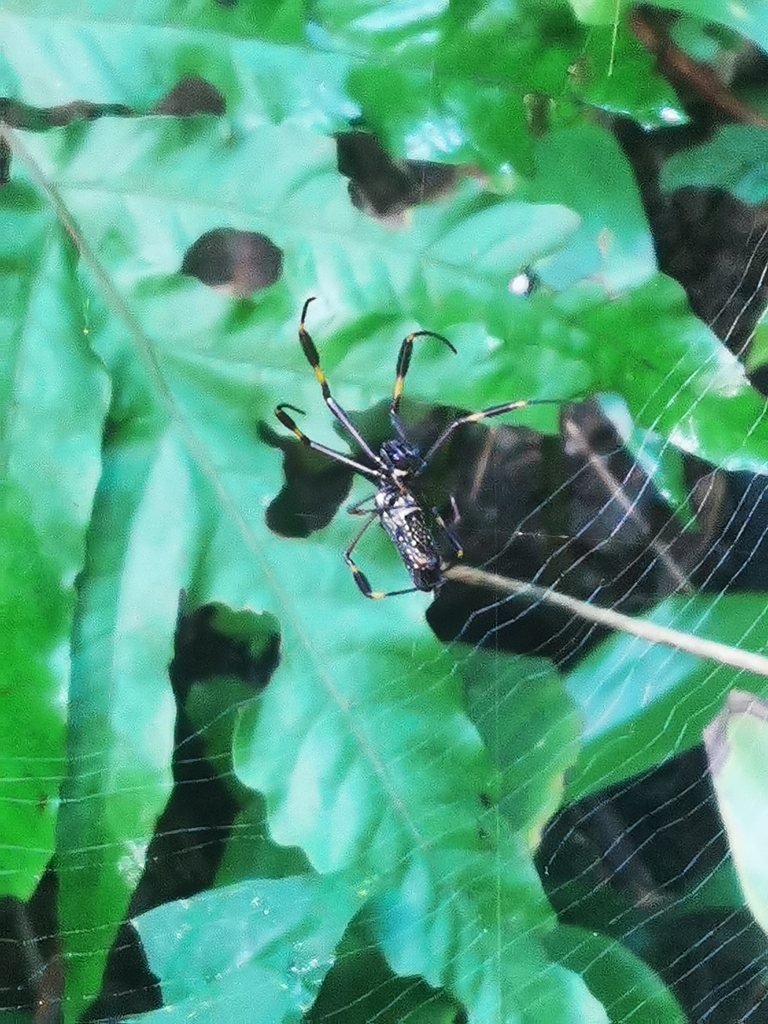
643,703
645,344
737,749
181,506
265,944
256,58
360,23
586,170
734,159
503,978
460,90
675,375
616,73
361,986
450,891
122,709
531,730
53,400
627,987
407,811
35,611
596,12
748,20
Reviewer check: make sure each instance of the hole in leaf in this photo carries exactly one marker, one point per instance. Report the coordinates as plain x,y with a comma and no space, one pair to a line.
385,188
191,95
238,261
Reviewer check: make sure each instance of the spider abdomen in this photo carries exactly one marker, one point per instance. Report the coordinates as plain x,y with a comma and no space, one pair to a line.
406,526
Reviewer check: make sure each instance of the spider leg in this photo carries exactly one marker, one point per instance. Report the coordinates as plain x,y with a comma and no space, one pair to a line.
356,509
358,575
290,423
313,358
484,414
449,529
403,362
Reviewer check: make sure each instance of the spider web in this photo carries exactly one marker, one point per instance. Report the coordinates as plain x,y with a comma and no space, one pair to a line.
638,857
656,841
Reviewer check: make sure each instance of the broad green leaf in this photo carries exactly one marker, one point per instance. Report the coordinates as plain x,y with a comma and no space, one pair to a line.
503,978
676,376
338,733
186,478
615,72
734,159
459,91
642,703
361,986
122,711
586,170
748,20
737,749
262,944
531,730
138,61
360,743
53,400
185,474
35,612
596,12
412,772
627,987
365,23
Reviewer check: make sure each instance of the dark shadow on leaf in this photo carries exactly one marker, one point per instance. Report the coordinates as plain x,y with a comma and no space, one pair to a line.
314,487
623,862
214,645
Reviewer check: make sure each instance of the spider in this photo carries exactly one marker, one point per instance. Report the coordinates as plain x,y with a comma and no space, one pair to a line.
393,471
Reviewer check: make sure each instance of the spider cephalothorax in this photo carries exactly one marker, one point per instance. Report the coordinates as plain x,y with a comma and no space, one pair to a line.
403,458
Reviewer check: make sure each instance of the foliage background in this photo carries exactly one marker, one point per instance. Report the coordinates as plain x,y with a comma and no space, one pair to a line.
380,794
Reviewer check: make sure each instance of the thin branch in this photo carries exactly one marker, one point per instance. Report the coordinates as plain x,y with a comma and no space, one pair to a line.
721,653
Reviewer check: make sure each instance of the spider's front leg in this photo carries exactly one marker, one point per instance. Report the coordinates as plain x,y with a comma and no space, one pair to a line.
401,369
345,460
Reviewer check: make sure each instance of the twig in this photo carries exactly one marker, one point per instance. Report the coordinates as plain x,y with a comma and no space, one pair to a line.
721,653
